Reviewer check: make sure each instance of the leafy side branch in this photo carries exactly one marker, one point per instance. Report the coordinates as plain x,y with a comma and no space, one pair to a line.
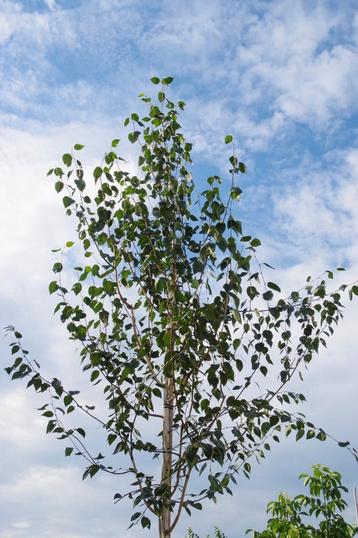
191,343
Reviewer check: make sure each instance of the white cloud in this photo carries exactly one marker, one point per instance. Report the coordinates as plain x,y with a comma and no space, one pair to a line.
5,28
20,426
21,525
188,27
289,56
317,210
69,507
51,4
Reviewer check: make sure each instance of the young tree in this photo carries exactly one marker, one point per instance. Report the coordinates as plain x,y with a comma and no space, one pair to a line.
324,503
177,322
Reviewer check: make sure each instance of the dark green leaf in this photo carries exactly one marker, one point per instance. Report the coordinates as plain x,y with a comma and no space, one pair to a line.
67,201
135,516
59,186
133,137
53,286
273,286
167,80
80,184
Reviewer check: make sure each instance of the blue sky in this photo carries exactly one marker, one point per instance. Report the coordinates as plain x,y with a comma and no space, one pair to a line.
282,77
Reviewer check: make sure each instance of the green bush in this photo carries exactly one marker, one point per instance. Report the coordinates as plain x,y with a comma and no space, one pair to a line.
294,517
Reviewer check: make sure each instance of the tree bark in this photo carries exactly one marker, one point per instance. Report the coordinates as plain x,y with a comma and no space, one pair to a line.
168,412
165,520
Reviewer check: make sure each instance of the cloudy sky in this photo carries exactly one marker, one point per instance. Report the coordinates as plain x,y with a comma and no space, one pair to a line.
282,77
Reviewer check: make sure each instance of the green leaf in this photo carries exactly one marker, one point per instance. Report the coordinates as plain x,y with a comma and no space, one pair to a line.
58,172
354,290
135,516
69,244
57,267
94,375
115,142
67,159
235,193
53,287
68,450
67,201
161,96
76,288
67,399
133,137
111,438
59,186
228,139
155,80
78,147
97,172
80,184
252,292
263,370
273,286
145,522
167,80
86,473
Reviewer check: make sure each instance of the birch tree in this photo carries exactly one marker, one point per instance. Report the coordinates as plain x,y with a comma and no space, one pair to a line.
178,321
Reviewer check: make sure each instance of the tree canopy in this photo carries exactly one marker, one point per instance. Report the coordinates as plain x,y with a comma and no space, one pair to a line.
177,320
